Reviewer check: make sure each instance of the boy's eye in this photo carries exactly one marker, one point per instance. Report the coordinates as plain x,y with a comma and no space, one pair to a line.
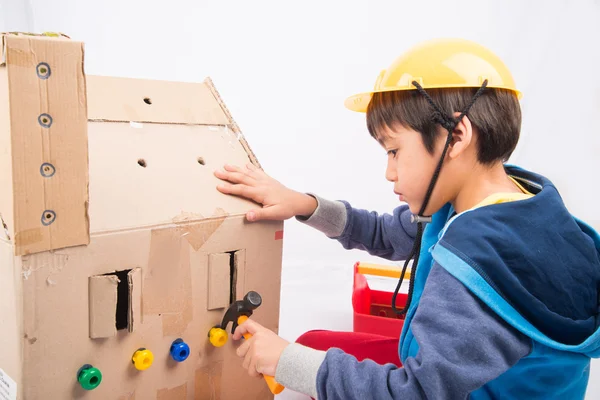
392,152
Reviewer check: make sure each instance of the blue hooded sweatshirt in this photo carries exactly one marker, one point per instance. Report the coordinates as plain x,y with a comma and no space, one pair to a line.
505,304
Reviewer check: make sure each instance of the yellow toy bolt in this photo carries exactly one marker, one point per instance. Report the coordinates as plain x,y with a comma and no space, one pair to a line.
217,336
237,313
142,359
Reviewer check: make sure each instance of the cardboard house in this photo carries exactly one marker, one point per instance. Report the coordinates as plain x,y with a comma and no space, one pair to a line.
115,238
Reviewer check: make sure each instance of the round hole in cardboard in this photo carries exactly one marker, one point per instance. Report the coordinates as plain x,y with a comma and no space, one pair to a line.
147,100
47,170
45,120
43,70
142,163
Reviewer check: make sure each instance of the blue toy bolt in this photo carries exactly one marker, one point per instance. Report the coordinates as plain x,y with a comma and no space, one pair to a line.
179,350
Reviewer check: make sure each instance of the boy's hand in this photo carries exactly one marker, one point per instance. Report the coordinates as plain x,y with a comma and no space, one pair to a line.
279,202
262,351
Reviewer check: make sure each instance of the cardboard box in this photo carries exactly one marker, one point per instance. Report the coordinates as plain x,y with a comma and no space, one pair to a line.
114,236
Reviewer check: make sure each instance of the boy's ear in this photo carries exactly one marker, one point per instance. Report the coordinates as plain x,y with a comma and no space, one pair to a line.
462,137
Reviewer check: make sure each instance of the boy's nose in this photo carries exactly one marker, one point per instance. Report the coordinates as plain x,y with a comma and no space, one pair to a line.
390,172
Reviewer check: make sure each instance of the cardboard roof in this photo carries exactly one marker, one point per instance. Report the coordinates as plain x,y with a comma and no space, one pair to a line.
90,154
179,133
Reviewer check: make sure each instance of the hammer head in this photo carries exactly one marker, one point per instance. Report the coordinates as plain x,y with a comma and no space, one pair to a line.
251,302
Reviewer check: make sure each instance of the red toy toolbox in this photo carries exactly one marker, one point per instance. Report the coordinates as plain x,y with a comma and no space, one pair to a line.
372,309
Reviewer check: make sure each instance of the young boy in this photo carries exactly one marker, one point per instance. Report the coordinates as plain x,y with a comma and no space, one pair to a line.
504,293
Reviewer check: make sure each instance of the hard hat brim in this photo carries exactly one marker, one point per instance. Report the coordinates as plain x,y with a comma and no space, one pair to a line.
360,102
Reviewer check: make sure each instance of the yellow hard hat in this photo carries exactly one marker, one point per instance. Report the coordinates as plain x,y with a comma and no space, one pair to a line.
441,63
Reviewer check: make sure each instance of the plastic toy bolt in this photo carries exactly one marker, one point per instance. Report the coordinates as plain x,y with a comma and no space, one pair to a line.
179,350
217,336
89,377
237,313
142,359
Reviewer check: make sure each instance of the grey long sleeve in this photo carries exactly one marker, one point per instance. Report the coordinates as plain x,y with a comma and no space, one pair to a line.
389,236
462,345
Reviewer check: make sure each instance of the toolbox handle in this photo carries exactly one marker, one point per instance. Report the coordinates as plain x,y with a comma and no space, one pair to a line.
380,270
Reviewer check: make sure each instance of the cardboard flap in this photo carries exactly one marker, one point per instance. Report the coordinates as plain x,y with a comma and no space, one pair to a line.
134,284
115,302
219,278
57,35
140,100
48,136
103,305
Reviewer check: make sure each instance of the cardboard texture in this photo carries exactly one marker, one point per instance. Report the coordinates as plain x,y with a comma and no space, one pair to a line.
159,253
103,306
219,280
48,135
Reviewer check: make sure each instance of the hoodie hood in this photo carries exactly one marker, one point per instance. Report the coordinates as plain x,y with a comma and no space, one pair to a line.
532,262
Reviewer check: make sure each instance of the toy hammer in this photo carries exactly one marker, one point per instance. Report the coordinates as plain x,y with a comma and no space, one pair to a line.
237,314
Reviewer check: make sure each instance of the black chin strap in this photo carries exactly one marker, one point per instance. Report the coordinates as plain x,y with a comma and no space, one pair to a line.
448,123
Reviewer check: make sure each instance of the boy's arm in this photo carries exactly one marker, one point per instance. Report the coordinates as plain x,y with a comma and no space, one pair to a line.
386,236
462,345
389,236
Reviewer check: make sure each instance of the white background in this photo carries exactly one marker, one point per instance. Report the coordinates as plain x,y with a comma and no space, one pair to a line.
284,69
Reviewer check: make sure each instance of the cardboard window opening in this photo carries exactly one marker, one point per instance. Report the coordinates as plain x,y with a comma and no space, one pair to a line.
222,278
114,302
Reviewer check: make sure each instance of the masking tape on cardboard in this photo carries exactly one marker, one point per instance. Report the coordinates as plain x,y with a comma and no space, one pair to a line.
28,237
208,381
198,234
127,396
176,393
167,281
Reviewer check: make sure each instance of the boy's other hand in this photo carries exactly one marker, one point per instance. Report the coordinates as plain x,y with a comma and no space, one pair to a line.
262,351
279,202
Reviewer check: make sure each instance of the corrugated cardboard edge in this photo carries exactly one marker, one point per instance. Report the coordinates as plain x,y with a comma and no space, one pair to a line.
2,50
234,126
134,314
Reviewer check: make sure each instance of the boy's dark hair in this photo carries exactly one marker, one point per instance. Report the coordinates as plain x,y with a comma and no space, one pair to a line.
496,115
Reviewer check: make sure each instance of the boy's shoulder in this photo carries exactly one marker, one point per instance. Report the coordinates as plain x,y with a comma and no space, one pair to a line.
531,252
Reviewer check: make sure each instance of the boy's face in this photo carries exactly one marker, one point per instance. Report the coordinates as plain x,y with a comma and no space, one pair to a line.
410,167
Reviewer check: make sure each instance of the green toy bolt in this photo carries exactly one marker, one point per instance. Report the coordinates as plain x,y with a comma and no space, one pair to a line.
89,377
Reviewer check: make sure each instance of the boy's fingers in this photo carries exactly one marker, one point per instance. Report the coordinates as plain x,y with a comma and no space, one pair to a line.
238,177
249,326
232,168
246,360
238,190
243,349
267,213
254,172
253,365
